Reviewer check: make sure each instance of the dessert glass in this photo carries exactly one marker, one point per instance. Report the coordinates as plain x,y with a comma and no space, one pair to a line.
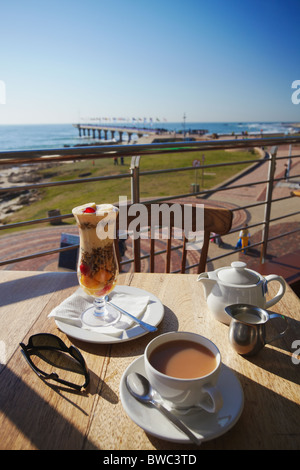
97,264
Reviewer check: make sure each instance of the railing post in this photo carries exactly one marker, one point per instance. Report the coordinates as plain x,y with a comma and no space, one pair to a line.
135,198
289,163
135,179
265,231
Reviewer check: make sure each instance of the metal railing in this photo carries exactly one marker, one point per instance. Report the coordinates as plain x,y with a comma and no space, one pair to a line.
135,176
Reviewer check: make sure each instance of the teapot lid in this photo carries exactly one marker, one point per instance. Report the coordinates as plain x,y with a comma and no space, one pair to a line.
238,274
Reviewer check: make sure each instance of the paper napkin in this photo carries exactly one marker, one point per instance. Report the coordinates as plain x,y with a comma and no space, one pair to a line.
70,310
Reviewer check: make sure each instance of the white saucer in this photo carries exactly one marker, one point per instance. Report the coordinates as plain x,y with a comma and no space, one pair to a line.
204,424
153,315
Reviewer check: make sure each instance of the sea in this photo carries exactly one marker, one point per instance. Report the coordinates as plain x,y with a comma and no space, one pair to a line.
52,136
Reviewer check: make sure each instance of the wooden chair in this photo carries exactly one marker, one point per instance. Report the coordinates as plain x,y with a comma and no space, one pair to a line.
217,220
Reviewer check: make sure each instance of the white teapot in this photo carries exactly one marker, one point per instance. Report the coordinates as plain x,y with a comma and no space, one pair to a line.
236,284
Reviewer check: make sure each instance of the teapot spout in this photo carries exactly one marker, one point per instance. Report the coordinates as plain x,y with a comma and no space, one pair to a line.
207,282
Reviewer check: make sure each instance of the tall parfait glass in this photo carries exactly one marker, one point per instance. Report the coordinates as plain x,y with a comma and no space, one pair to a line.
97,264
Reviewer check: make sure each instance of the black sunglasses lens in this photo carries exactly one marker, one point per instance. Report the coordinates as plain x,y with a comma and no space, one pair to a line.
46,341
77,354
57,362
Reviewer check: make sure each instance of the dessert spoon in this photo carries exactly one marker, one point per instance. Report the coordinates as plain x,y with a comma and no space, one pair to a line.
143,324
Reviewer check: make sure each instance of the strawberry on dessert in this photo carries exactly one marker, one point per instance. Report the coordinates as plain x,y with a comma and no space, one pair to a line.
89,210
84,268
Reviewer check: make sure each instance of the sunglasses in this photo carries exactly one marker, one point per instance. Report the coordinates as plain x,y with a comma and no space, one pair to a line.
47,353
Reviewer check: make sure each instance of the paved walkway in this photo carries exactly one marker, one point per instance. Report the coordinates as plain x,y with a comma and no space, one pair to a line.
47,238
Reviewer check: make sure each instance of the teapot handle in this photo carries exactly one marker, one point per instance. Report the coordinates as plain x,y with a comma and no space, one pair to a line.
281,291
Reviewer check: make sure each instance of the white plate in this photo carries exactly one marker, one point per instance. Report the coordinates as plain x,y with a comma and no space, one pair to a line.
204,424
153,315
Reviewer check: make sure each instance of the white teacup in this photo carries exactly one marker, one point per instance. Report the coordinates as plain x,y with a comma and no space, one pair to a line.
184,393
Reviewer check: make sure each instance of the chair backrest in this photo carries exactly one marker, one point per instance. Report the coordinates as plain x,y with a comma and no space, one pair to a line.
217,220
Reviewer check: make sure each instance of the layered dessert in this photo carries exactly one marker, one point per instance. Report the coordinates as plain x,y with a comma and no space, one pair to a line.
97,264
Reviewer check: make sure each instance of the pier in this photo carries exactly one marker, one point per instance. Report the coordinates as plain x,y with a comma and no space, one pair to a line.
116,132
145,135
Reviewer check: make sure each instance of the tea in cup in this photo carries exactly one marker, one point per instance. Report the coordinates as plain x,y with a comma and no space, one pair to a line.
184,368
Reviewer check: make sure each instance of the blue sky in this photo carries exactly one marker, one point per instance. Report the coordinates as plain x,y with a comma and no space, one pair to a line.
228,60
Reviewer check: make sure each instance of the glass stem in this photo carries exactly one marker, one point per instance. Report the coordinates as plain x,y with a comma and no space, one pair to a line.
100,306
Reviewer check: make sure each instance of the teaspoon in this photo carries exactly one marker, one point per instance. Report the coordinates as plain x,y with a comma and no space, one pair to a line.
143,324
140,388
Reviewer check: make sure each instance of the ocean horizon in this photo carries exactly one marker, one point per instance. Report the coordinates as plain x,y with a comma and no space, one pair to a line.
51,136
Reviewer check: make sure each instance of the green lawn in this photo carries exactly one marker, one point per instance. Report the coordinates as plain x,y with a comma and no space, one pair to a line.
66,197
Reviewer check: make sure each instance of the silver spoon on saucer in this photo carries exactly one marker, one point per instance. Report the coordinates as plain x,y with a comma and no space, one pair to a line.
140,388
143,324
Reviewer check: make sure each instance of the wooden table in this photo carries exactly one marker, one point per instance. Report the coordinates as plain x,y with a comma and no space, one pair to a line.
34,416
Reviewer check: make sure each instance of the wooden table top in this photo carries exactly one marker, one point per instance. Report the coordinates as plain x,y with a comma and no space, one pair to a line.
36,416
